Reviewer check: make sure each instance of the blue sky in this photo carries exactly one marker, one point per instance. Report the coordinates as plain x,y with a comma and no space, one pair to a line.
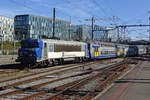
124,11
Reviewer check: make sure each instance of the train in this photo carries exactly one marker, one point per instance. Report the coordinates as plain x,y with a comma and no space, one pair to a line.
50,51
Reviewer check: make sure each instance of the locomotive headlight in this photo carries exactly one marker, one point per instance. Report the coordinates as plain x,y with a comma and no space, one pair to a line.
30,54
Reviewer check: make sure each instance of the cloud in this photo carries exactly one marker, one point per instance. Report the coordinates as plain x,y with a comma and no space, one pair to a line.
13,12
8,12
64,8
77,9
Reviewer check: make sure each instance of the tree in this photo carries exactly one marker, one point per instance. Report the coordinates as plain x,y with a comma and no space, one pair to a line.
76,37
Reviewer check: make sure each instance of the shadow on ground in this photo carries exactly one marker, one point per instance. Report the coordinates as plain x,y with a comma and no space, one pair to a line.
12,66
143,58
143,81
21,67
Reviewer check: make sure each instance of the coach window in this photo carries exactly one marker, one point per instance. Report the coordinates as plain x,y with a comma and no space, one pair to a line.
51,48
102,52
82,48
45,49
45,45
105,52
109,52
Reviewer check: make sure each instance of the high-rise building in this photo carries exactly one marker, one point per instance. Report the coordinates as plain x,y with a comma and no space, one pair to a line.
84,32
6,29
31,26
100,33
113,35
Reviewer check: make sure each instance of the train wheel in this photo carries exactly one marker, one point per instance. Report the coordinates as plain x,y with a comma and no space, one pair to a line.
77,60
53,63
81,60
61,61
29,65
47,63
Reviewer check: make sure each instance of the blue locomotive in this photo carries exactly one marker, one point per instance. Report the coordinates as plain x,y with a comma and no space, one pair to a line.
49,51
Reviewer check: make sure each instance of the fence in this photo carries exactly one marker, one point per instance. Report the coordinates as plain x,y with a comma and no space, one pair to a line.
8,52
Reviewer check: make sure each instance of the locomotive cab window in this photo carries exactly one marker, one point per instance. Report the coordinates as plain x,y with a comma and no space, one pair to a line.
29,45
45,45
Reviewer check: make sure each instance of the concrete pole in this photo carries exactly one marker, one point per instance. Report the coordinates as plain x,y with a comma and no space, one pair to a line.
149,29
54,21
93,27
118,39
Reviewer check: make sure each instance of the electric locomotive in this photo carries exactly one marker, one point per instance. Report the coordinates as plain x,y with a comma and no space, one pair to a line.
48,51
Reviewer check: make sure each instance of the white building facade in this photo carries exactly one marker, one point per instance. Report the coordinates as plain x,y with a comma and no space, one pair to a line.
6,29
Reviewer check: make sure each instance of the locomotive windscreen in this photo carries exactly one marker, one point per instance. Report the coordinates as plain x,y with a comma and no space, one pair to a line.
29,45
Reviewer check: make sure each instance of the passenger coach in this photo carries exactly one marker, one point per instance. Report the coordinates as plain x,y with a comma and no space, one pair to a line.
100,50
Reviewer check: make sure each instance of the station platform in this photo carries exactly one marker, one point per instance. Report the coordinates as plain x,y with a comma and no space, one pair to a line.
134,86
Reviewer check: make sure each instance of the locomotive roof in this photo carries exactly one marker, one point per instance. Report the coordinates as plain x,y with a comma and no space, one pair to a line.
63,41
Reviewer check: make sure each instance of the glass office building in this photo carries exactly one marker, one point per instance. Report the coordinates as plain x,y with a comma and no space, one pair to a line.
84,32
113,35
100,33
6,29
31,26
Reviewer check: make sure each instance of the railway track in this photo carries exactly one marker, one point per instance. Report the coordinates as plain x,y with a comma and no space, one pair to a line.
3,88
6,84
40,72
13,72
5,72
72,90
107,74
67,68
59,93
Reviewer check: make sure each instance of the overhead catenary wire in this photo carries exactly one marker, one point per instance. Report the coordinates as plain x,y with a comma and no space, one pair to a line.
115,18
25,6
85,10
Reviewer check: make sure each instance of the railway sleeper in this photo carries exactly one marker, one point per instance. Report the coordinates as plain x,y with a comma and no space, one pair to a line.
26,89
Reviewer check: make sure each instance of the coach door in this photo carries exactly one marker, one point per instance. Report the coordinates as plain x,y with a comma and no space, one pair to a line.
45,50
123,53
118,51
96,51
